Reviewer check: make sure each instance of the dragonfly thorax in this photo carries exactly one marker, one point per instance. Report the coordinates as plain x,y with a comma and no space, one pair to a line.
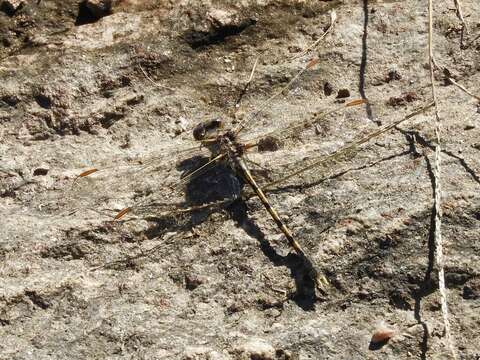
217,141
208,129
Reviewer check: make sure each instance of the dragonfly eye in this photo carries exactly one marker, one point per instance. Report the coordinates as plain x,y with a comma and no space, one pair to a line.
207,129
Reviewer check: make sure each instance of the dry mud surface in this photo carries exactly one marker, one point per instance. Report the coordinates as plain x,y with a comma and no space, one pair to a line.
122,93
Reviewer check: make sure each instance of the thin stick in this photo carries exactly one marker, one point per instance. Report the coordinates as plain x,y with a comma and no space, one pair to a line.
247,85
151,80
333,18
438,192
459,12
463,88
253,72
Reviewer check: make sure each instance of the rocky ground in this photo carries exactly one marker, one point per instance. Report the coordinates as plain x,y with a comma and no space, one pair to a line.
84,85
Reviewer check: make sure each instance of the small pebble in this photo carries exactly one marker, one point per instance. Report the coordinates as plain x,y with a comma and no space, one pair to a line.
257,349
343,93
382,335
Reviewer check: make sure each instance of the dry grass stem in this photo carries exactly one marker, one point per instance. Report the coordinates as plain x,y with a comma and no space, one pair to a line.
253,72
459,12
151,80
463,88
438,192
247,85
333,18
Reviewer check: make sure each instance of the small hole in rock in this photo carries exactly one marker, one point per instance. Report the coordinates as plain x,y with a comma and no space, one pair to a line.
43,101
327,89
40,172
89,13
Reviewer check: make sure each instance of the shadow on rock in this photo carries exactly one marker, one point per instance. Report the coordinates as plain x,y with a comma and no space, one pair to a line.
219,184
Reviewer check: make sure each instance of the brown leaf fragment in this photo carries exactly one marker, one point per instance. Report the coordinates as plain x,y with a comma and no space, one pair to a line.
88,172
122,213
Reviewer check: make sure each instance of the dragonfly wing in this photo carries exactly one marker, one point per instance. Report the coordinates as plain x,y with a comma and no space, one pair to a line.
296,128
342,152
109,189
159,201
286,89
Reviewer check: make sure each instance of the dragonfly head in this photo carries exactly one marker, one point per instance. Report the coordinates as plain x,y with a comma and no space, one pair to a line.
207,129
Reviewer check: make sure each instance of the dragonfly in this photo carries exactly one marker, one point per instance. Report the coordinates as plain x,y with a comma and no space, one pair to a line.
226,147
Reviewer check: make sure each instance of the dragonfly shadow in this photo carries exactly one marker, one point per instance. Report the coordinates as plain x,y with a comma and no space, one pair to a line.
304,295
217,184
221,183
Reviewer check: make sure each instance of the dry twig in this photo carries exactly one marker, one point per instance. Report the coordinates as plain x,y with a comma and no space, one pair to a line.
152,81
459,12
247,84
463,88
437,192
333,18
